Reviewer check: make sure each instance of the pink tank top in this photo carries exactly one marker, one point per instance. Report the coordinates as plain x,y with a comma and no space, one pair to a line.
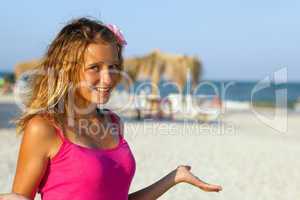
82,173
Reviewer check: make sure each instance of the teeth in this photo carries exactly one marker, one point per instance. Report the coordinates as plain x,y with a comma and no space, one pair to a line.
102,89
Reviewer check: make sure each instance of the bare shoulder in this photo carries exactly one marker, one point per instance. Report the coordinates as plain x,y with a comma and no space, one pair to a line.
40,128
40,133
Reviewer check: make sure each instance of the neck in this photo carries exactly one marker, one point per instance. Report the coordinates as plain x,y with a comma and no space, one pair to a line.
81,109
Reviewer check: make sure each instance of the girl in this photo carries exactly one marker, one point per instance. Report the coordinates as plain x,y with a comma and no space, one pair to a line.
72,149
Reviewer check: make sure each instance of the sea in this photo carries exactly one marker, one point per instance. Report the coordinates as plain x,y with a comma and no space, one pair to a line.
229,90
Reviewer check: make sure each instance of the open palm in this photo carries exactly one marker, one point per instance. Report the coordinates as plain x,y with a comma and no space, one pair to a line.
183,174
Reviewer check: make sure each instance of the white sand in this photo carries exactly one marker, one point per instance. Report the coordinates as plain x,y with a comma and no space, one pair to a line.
252,162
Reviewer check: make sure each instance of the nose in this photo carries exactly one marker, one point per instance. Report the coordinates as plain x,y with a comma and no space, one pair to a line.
106,77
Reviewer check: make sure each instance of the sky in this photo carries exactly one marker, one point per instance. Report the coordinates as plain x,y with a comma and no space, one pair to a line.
235,40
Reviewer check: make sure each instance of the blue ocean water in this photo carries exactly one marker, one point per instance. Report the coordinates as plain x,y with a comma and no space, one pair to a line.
2,73
230,90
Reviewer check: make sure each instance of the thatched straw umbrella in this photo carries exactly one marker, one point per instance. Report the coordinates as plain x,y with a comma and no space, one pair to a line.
158,65
25,66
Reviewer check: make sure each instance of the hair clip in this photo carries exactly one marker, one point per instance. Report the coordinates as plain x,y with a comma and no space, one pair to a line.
118,33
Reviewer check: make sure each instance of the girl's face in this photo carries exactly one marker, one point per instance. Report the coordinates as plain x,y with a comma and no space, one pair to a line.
100,74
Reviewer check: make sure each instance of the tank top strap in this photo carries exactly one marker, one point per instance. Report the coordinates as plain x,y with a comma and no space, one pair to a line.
115,120
60,133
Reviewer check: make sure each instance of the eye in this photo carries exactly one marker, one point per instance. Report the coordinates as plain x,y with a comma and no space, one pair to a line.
94,68
115,66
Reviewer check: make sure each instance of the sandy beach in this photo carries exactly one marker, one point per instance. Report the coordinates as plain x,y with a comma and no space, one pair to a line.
248,158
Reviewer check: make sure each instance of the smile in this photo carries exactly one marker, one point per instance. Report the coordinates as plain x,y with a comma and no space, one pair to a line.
102,89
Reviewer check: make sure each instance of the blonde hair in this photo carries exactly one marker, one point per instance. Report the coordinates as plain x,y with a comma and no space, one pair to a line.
60,66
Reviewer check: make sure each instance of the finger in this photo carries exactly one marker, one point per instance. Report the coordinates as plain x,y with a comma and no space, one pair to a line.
203,185
213,188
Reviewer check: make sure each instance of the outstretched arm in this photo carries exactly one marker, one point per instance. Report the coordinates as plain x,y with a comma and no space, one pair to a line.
180,174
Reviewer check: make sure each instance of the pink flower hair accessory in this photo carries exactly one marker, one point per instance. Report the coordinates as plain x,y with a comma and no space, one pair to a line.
118,33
